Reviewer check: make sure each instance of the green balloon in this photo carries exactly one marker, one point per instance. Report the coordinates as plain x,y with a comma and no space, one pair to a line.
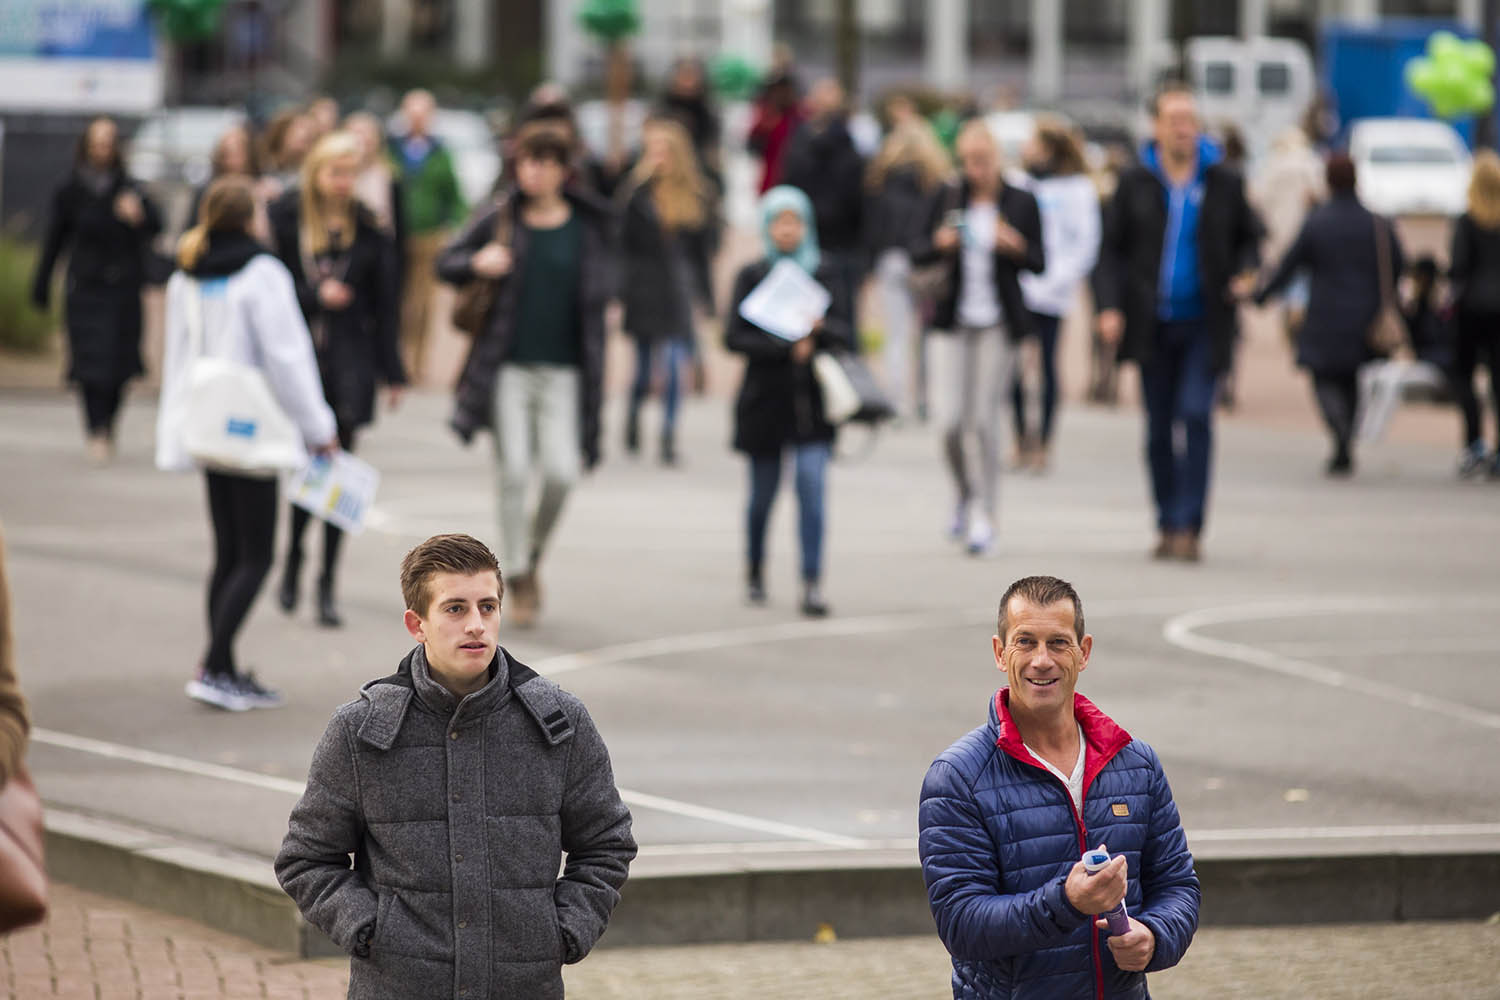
1479,96
1421,76
1443,45
1479,58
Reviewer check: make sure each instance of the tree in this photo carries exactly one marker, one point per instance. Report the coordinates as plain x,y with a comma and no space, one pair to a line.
613,22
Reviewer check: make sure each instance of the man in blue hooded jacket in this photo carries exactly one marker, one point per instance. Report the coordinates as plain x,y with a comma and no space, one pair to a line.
1180,248
1008,811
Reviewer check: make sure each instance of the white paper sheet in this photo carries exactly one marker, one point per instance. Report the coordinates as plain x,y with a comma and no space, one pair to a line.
340,490
787,302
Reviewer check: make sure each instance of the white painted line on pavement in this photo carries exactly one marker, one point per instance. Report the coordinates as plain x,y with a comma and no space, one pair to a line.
218,772
750,635
1350,832
1181,631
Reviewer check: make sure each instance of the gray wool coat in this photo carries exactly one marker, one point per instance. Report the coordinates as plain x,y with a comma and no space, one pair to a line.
458,815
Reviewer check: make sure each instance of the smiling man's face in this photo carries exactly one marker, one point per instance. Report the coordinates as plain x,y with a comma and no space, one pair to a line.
1042,656
460,629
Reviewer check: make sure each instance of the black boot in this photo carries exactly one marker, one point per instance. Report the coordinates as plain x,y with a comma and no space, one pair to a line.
328,613
286,594
633,430
755,590
668,450
813,605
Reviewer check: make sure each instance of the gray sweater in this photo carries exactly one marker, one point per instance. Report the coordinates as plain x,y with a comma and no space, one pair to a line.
458,814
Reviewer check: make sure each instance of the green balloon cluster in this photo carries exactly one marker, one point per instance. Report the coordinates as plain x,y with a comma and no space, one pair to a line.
1455,78
734,77
187,20
610,20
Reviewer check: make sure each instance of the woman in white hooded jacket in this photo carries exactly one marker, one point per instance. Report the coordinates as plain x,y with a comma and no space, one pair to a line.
1056,175
249,315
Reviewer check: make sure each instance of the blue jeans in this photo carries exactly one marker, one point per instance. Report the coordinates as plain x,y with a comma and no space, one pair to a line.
650,355
1178,384
811,461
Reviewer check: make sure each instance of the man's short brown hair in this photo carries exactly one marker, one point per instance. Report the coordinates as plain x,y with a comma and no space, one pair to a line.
1169,86
444,554
1041,591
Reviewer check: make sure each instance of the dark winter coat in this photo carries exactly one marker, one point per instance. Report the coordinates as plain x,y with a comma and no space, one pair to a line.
1474,267
662,273
1017,207
474,399
999,835
897,213
357,346
106,270
459,815
1130,256
1336,247
822,161
779,402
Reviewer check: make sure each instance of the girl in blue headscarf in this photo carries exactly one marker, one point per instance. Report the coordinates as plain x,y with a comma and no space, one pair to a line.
779,408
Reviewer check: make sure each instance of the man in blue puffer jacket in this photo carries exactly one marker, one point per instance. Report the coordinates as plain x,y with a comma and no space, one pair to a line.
1008,811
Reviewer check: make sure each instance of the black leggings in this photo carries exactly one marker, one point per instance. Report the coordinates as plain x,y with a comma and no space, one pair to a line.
333,537
1338,397
1044,328
101,404
243,511
1478,344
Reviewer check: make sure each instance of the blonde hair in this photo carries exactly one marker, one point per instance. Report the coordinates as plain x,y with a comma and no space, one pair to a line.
911,144
1484,190
316,224
678,191
228,206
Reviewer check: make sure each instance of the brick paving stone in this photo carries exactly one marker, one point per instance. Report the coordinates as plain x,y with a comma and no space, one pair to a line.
143,955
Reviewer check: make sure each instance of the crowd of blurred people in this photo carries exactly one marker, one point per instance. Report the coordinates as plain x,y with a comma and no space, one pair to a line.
975,262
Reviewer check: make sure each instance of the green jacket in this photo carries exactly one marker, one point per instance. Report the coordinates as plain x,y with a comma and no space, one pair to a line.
430,193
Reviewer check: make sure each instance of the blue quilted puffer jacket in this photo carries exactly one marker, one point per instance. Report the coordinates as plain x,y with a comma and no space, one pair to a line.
998,836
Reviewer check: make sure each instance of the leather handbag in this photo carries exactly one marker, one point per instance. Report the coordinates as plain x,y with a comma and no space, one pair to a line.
933,281
475,300
1387,335
23,869
850,392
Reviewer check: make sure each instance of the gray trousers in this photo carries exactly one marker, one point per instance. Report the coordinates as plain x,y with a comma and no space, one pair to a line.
536,427
970,372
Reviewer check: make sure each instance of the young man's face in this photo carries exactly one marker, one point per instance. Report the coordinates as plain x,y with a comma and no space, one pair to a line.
1041,655
460,628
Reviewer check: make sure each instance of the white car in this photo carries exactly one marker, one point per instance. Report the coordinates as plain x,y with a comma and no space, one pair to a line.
177,144
1410,166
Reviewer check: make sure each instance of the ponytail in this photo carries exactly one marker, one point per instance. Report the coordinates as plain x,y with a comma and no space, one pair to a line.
191,247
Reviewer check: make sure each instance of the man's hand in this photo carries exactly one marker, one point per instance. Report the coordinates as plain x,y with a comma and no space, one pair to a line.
1111,323
946,238
1242,286
802,350
334,294
1132,951
1099,892
491,261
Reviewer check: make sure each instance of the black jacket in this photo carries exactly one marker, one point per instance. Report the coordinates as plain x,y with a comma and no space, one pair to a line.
897,213
1474,268
1130,256
357,346
822,161
662,273
473,409
779,402
106,269
1337,249
1018,208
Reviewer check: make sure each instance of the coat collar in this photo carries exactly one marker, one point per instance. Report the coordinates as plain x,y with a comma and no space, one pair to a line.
1103,736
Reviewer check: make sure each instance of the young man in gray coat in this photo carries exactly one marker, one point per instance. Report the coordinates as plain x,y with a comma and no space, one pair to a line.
458,784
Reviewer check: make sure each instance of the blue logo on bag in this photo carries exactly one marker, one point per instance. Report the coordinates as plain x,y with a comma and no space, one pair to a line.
240,428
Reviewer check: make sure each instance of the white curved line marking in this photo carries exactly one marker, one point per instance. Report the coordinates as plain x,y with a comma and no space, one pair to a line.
1181,631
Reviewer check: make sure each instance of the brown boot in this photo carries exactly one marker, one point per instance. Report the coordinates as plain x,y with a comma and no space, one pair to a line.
522,601
1166,546
1185,548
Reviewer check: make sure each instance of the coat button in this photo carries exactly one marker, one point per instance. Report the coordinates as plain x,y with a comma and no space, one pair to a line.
453,735
463,991
457,797
458,857
462,924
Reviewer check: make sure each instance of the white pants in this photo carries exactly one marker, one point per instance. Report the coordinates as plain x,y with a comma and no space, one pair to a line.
1382,384
899,308
970,372
536,423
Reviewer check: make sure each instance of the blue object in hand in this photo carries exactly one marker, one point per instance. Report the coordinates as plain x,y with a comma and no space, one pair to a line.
1117,918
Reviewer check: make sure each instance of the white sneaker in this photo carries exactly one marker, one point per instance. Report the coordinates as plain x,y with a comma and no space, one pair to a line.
219,691
960,523
981,535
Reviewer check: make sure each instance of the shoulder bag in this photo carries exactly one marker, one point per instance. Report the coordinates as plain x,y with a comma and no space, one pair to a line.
23,869
1387,335
932,282
472,305
850,392
231,420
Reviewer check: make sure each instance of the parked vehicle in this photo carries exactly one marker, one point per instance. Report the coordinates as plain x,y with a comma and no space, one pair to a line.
1363,69
176,145
1410,166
